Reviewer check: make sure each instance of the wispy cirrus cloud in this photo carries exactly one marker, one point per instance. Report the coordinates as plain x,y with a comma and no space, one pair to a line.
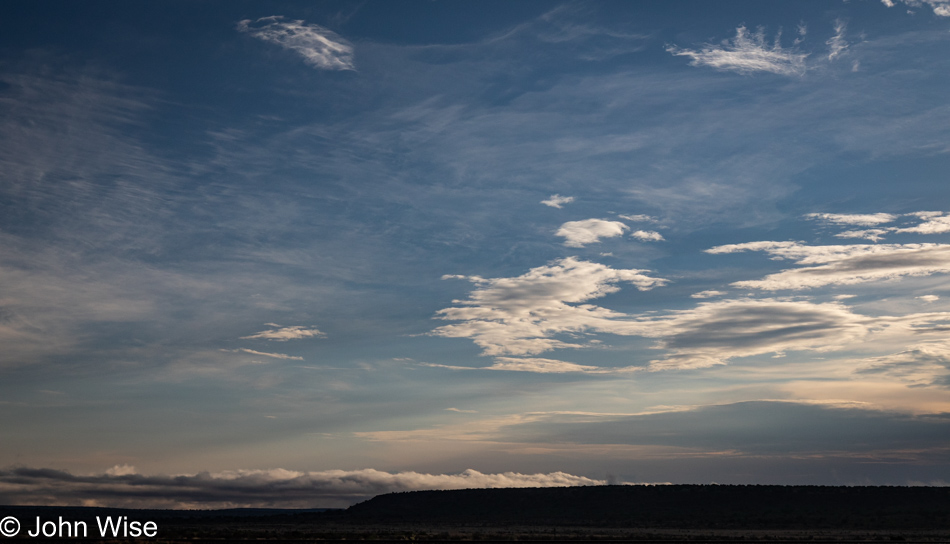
589,231
522,315
557,201
271,355
857,219
282,334
540,366
319,46
924,222
747,53
843,264
278,488
638,217
837,44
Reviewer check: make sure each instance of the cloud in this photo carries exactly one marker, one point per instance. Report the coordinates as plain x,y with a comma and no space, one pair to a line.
875,235
647,236
747,53
941,7
589,231
708,294
929,223
760,427
319,47
837,44
286,333
121,470
864,220
557,200
523,314
713,332
929,298
272,355
275,488
935,223
843,264
638,218
920,365
540,366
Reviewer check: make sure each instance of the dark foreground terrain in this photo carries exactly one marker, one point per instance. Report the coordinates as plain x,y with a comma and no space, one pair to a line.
676,513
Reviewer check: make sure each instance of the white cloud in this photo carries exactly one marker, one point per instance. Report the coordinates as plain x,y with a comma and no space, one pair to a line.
271,355
941,7
859,219
930,223
283,334
747,53
708,294
556,201
837,44
589,231
874,235
929,298
522,315
936,223
647,236
638,218
279,488
319,47
844,264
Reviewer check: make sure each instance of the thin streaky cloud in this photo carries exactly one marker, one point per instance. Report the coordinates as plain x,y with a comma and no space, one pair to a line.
271,355
319,47
837,43
747,53
857,219
638,218
540,366
557,201
282,334
844,264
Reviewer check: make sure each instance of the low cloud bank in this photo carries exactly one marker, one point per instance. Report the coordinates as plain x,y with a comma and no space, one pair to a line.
275,488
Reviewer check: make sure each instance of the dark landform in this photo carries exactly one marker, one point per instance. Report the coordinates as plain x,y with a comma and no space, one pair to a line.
669,513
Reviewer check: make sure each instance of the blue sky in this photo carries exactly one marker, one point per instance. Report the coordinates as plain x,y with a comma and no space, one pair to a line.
342,248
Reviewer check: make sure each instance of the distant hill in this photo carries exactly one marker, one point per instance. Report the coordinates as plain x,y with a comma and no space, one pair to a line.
670,506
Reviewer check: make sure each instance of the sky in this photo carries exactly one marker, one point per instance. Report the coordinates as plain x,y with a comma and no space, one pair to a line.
296,254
